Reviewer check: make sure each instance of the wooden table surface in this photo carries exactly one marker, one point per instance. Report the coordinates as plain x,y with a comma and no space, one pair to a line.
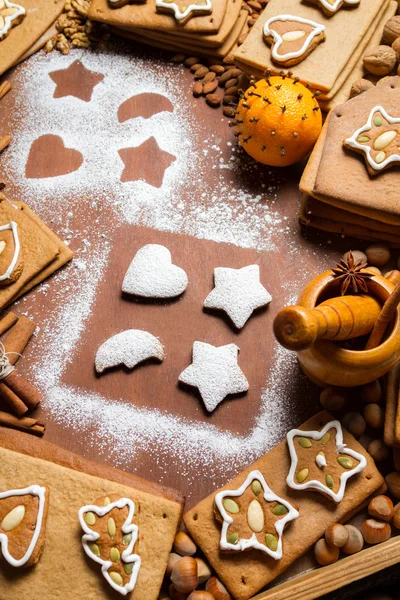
279,396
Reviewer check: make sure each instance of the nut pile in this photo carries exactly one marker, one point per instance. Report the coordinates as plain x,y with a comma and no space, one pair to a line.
189,577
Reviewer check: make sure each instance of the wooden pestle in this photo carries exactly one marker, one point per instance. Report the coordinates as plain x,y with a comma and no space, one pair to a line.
344,318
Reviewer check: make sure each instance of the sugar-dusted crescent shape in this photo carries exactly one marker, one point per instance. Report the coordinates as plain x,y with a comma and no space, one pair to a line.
128,348
292,38
151,274
144,105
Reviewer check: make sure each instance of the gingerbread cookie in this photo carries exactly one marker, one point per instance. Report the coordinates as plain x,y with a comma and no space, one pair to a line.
378,141
110,539
128,348
215,372
292,38
253,517
23,516
320,461
10,15
330,7
11,259
183,11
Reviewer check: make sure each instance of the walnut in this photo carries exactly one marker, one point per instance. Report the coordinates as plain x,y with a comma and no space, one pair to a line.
360,86
50,44
380,61
396,48
391,31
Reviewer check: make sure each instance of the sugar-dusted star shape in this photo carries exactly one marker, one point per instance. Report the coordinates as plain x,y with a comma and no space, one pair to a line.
146,162
75,81
378,140
238,292
215,372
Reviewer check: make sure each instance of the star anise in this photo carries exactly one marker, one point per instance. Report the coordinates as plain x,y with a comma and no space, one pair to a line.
349,273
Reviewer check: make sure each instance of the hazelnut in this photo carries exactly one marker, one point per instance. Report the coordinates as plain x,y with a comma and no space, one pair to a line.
357,254
391,31
336,535
200,595
333,398
396,48
354,423
172,559
175,595
381,507
380,61
217,589
375,532
378,450
378,255
393,483
396,516
374,415
360,86
324,554
184,545
355,542
372,392
184,575
203,570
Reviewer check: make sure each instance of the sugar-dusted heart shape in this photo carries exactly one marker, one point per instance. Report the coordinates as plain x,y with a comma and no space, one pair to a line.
48,157
151,274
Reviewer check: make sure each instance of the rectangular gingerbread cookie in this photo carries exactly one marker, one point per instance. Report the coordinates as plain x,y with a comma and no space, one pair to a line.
391,408
64,571
329,59
245,573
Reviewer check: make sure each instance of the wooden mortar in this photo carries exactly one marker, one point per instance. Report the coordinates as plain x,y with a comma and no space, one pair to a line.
327,364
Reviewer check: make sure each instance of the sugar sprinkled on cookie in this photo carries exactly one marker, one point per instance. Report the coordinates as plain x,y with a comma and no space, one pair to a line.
128,348
238,292
151,274
215,372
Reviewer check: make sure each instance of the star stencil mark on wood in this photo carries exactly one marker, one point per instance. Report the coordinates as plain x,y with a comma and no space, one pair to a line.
146,162
76,81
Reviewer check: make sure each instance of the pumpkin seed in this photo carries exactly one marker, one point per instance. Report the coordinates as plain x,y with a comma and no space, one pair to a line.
363,139
116,578
111,527
326,438
380,157
304,442
302,475
329,481
13,518
128,568
107,501
271,542
321,460
90,518
256,487
231,506
378,121
115,555
345,462
232,538
126,540
279,510
95,549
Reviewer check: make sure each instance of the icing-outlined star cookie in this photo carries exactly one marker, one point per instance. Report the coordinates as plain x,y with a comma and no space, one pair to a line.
378,140
238,292
88,517
183,12
292,38
320,462
246,512
215,373
11,14
330,7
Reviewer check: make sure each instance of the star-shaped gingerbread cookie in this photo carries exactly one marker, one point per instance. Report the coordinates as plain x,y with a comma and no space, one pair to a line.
238,292
146,162
11,14
75,81
215,372
183,10
330,7
253,517
378,140
321,462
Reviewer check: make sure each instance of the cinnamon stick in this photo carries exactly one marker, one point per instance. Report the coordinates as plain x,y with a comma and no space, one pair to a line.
5,87
4,141
386,315
17,339
25,424
25,391
7,322
17,406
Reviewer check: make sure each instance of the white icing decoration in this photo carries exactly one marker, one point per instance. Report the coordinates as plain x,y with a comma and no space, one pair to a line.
14,229
10,18
179,16
127,556
333,7
152,275
128,348
321,461
215,372
341,448
238,292
352,141
278,41
33,490
252,542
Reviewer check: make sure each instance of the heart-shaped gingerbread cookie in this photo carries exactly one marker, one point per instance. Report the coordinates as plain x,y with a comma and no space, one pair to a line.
292,38
11,255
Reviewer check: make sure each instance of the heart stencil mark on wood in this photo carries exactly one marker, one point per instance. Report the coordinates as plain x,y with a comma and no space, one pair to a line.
143,105
48,157
146,162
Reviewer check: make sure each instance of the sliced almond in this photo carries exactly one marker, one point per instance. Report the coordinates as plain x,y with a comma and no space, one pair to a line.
293,36
384,140
13,518
255,516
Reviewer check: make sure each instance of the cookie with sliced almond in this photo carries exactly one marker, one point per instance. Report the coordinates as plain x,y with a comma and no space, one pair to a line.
11,253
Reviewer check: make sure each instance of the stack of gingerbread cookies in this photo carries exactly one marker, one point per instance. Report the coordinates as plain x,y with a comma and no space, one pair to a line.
350,184
209,28
322,41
